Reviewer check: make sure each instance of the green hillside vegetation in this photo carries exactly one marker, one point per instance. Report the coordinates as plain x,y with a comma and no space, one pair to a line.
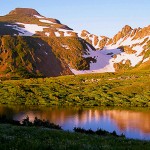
26,56
109,89
16,56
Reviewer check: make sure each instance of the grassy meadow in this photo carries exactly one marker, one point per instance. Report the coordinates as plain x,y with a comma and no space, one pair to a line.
130,89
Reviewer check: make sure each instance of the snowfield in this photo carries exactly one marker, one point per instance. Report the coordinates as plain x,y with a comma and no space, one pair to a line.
31,29
28,29
105,60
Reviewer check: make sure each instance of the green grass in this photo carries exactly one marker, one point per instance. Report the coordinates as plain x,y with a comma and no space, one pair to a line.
120,89
24,138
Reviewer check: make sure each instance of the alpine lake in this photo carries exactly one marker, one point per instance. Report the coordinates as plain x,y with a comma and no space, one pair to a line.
133,123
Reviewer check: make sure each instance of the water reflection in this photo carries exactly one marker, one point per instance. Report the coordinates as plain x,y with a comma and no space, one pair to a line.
130,119
134,124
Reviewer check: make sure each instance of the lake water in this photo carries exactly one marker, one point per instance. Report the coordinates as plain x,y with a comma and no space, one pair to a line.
133,123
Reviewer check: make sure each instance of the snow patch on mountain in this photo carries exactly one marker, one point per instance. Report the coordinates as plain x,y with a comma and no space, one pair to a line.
65,46
126,42
28,29
37,16
57,34
134,60
32,28
46,21
47,34
66,32
146,59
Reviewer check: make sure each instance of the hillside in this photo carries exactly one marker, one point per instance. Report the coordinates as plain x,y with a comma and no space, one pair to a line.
35,44
125,89
40,57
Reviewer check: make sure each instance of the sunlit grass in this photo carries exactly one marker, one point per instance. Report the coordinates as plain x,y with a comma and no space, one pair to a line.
109,89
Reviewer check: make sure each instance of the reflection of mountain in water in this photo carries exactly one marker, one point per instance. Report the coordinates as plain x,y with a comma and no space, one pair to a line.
123,119
130,119
60,116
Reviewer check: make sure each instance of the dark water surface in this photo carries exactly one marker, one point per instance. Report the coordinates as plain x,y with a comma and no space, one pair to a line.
133,123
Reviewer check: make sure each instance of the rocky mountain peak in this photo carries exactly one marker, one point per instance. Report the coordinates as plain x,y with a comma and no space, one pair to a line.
24,11
84,33
126,29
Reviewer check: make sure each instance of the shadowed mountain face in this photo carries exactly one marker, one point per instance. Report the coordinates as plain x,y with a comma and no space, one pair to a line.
29,57
70,51
34,56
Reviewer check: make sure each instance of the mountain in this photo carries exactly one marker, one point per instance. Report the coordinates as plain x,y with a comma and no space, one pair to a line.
32,45
28,22
128,49
29,46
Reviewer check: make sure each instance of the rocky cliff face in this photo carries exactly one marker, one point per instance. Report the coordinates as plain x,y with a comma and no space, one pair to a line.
98,42
128,33
121,34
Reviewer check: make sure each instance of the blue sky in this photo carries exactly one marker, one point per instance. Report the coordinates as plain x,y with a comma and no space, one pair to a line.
101,17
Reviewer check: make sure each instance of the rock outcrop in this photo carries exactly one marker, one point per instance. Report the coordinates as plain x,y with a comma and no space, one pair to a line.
24,11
